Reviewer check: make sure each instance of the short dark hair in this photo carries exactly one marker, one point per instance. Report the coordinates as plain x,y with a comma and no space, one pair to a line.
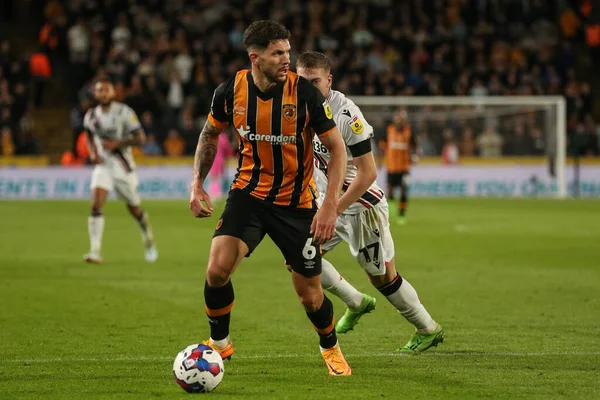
313,59
260,34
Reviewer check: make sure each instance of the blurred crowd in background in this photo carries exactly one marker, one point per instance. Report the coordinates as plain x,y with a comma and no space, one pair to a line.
167,57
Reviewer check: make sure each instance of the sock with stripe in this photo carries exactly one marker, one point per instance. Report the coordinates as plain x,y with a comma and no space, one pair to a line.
402,203
95,231
332,281
323,322
218,303
405,299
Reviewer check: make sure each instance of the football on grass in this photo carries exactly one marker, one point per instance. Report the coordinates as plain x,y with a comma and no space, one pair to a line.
198,369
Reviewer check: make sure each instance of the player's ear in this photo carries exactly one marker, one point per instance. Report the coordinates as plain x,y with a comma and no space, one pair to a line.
254,57
329,81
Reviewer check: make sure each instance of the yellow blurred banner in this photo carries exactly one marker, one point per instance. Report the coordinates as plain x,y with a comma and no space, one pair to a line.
24,161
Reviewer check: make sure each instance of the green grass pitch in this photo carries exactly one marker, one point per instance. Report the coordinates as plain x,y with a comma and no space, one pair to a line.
515,283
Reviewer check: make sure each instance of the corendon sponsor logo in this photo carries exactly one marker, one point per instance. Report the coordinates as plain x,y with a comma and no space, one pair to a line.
273,139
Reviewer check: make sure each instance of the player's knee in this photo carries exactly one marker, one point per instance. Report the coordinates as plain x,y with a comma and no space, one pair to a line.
311,302
136,211
217,275
310,297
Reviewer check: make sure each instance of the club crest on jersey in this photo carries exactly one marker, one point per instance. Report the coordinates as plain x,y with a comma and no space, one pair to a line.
356,125
327,109
289,112
219,224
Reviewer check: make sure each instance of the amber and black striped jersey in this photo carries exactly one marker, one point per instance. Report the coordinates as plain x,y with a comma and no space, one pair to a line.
398,148
275,131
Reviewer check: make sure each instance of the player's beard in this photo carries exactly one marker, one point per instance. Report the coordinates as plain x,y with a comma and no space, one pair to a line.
272,76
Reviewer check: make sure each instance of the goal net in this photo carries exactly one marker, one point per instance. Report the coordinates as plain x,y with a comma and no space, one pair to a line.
478,145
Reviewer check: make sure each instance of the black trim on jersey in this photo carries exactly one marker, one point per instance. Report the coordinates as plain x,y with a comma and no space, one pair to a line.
366,196
240,159
360,148
221,106
277,151
251,122
121,157
300,120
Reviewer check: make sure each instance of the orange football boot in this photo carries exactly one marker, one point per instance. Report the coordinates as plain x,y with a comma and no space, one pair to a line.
225,352
336,363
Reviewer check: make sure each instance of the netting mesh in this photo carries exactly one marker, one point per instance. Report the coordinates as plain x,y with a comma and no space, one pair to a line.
485,131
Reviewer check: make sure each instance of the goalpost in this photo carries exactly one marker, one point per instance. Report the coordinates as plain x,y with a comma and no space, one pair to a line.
520,126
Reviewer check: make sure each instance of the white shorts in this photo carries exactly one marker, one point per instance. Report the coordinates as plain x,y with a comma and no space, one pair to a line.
368,236
124,183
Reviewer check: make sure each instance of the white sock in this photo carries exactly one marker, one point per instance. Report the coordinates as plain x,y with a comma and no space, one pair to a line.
221,342
95,231
332,281
337,344
406,301
144,224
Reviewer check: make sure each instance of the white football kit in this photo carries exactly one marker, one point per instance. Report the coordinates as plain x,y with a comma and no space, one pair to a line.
365,224
118,169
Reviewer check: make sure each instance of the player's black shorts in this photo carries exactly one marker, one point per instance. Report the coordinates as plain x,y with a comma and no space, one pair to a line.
395,179
249,219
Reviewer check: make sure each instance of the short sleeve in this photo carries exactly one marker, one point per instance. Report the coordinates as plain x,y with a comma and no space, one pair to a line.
132,122
319,110
353,125
218,107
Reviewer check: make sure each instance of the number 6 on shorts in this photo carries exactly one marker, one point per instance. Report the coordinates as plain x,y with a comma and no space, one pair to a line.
309,251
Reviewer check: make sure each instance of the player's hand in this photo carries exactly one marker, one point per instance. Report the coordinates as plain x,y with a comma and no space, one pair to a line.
414,159
200,203
323,224
110,144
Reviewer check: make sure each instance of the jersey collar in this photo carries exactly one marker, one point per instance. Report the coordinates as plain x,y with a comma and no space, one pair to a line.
269,94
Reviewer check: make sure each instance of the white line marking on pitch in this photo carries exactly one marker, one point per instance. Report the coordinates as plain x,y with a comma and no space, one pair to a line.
275,356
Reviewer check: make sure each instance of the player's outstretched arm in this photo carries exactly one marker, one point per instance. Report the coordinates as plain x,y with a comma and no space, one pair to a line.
323,225
206,151
366,174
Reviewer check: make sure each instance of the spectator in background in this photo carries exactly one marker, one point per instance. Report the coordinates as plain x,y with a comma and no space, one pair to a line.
468,146
78,41
151,148
6,119
5,57
520,144
120,34
490,143
450,151
174,145
175,95
170,50
8,144
184,65
41,71
426,145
